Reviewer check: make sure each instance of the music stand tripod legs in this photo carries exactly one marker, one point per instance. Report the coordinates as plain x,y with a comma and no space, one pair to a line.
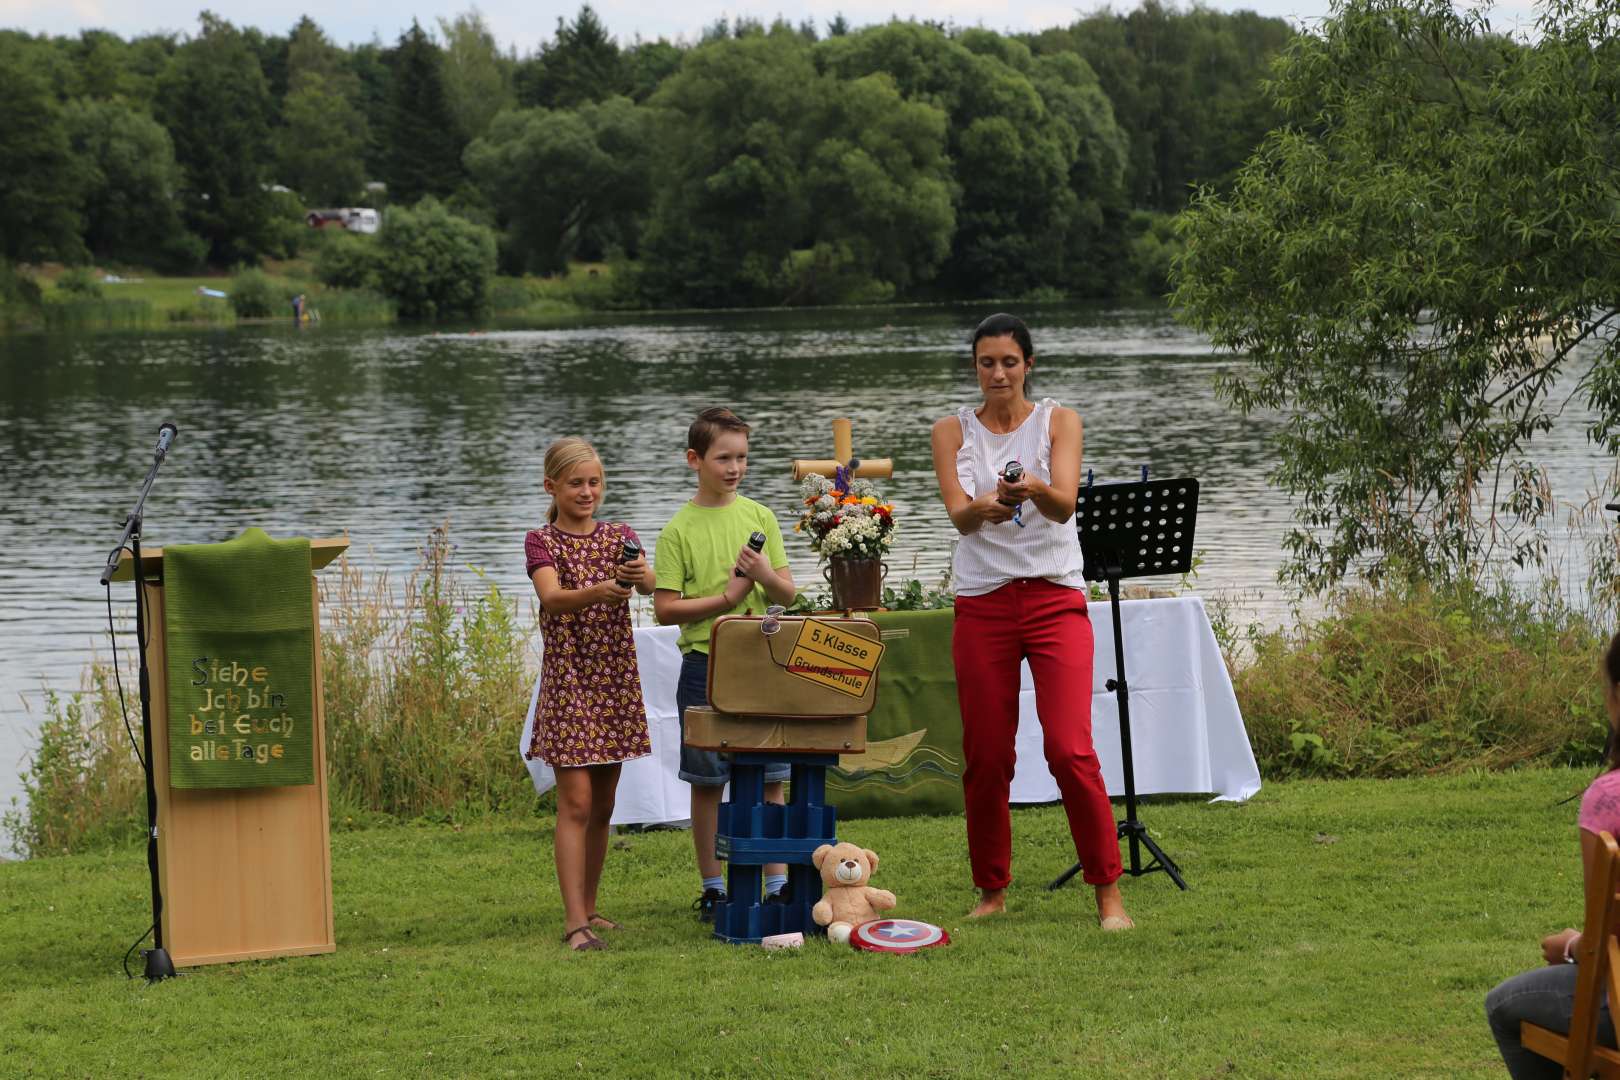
1138,529
1129,829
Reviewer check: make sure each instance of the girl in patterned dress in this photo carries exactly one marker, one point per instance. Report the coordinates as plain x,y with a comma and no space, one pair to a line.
590,717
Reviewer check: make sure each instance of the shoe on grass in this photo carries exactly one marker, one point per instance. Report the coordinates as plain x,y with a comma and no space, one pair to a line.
704,905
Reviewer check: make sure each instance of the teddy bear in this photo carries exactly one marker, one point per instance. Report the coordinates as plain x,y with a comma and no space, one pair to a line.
847,900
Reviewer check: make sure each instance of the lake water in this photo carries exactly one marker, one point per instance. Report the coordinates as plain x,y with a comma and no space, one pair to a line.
385,432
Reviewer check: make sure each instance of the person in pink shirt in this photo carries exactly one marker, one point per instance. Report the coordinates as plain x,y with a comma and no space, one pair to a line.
1546,996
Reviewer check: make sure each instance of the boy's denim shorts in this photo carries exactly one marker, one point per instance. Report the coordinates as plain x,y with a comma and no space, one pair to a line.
706,768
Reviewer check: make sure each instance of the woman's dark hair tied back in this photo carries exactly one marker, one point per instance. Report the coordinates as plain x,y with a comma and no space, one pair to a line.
1000,325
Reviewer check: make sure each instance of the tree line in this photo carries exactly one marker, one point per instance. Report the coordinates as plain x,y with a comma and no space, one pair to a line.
1421,265
760,164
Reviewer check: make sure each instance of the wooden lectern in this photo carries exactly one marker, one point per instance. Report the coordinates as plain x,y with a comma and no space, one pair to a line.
246,873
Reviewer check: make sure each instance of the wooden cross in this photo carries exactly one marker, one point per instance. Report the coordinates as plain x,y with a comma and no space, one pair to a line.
843,454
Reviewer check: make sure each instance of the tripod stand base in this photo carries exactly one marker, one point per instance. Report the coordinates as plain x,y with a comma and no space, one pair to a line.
1137,833
158,965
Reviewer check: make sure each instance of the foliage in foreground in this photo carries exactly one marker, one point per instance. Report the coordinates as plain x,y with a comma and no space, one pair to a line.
1307,905
1421,266
1389,684
83,786
424,702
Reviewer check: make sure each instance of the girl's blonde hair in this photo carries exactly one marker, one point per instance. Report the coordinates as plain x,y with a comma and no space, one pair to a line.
562,456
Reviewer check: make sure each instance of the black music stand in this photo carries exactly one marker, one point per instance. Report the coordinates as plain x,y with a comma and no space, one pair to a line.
1128,530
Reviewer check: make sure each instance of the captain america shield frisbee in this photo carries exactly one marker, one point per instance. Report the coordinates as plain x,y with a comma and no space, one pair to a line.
897,935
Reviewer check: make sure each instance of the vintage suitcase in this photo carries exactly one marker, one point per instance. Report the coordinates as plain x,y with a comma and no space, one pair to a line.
810,667
710,730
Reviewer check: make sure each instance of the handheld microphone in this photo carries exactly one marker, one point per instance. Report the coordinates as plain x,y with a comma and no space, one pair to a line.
1013,472
626,553
166,435
755,541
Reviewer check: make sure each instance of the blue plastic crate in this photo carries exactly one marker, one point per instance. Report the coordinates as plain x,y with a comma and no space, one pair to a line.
753,832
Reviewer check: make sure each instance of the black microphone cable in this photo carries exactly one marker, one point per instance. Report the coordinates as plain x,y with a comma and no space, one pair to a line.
118,680
134,744
129,951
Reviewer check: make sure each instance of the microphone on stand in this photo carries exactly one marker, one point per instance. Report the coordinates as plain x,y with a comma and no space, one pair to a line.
132,524
166,435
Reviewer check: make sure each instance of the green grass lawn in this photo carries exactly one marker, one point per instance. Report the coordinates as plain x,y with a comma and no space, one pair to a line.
1334,929
166,293
147,300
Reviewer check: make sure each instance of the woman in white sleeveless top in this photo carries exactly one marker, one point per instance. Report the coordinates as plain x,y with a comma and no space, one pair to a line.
1020,594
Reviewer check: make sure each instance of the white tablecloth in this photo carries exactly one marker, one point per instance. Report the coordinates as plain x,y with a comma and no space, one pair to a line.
1186,732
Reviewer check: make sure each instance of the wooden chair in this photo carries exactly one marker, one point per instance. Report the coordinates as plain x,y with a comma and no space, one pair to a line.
1598,957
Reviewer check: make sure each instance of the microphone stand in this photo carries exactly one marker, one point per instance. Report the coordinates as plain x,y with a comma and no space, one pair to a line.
158,963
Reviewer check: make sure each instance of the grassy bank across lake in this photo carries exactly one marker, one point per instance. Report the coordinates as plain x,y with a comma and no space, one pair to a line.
135,299
1334,929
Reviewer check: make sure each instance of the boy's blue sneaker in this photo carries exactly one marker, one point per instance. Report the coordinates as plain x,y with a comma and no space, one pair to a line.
704,905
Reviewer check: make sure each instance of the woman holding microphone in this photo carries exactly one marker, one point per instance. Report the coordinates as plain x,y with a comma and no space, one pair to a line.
1020,594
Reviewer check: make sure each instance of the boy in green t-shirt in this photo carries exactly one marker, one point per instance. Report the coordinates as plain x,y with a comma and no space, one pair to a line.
705,569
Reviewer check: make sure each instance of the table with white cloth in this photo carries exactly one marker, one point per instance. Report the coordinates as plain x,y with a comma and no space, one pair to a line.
1187,735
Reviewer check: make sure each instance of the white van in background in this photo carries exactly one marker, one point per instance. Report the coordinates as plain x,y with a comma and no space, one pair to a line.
360,219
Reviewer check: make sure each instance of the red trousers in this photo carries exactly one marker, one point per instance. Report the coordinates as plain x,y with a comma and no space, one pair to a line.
1048,624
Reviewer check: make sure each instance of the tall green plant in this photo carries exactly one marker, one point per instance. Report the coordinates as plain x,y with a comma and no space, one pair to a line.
1393,683
1413,262
253,295
425,699
435,264
424,142
40,178
82,787
216,104
554,176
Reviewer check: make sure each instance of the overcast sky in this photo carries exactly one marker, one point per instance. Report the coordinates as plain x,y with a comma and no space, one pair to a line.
527,23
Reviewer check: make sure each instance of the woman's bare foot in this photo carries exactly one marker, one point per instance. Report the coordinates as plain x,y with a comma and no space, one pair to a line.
1111,908
991,902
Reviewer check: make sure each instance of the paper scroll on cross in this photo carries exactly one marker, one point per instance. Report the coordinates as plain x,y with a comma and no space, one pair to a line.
843,456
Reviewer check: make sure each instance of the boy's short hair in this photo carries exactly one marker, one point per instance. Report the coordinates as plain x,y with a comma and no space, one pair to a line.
708,426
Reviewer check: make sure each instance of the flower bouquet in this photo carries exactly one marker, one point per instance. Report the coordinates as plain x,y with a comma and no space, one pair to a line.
852,523
851,527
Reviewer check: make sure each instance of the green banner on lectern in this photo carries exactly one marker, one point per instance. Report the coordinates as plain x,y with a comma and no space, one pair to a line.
239,630
913,758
